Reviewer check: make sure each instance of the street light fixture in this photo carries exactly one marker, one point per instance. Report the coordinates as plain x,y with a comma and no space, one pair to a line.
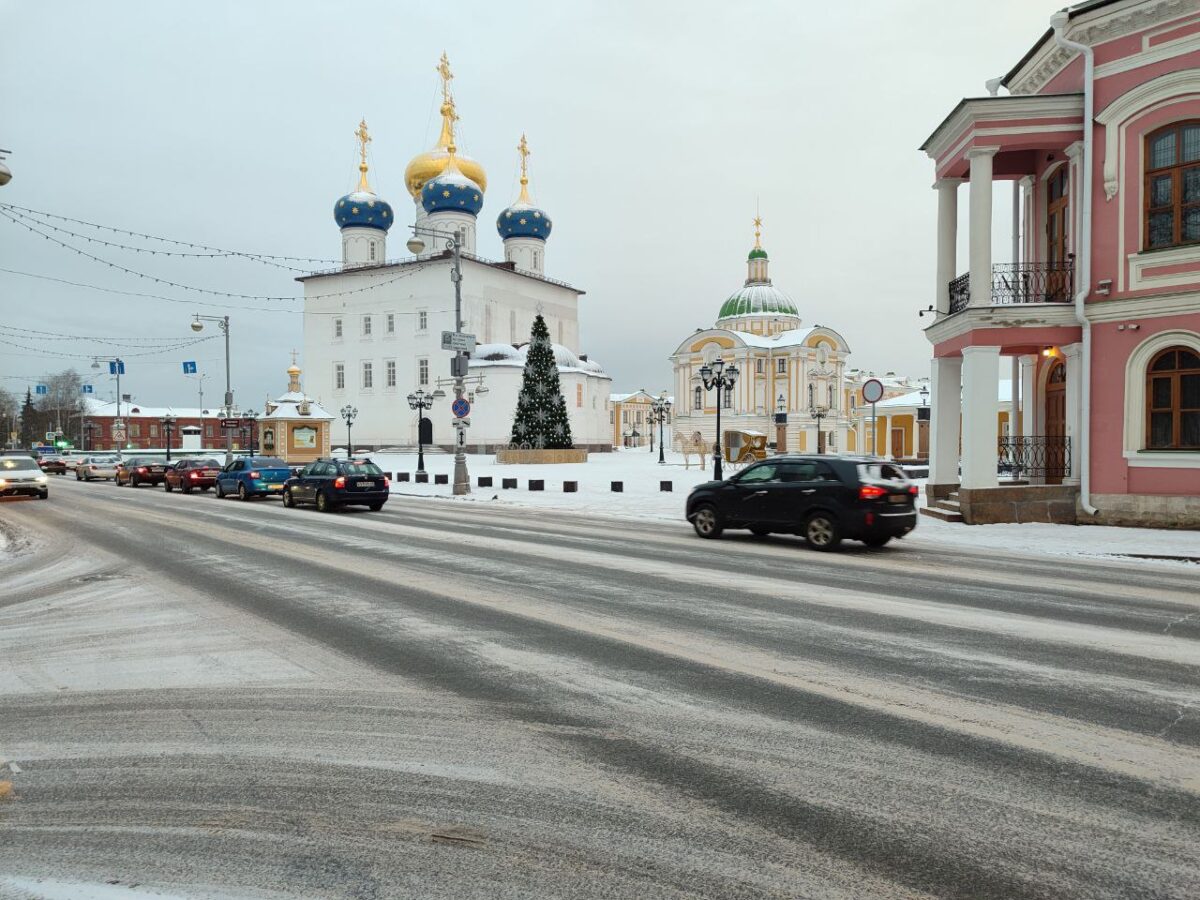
660,408
168,423
458,363
250,417
924,395
818,413
349,413
222,323
722,377
420,401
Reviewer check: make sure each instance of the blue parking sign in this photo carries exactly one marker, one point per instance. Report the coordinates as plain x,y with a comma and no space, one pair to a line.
116,367
87,389
189,367
41,389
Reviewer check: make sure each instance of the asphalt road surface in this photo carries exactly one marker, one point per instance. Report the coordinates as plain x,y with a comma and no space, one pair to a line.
456,700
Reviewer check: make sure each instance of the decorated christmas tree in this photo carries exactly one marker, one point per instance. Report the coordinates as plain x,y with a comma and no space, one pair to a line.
541,417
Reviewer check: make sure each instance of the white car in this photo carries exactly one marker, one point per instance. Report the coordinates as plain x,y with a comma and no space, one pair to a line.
102,466
21,475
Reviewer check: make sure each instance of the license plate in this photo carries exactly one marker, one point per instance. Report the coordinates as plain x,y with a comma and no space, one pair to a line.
275,487
898,498
364,484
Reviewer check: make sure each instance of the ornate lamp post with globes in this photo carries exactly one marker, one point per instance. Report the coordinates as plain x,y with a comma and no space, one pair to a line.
722,377
168,424
422,402
349,414
660,407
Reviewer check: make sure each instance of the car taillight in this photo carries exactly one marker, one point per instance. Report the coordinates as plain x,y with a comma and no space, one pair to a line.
871,492
256,475
340,481
193,475
142,469
914,490
92,468
386,481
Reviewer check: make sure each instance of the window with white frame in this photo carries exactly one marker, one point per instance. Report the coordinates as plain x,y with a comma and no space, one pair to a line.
422,372
390,367
759,365
372,245
391,323
337,328
579,395
698,398
781,366
728,398
368,376
339,376
422,320
366,326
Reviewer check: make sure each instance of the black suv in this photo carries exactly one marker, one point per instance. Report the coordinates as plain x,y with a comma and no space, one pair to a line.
329,483
823,498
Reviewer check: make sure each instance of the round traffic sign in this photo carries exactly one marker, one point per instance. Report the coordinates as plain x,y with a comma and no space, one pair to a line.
461,408
872,390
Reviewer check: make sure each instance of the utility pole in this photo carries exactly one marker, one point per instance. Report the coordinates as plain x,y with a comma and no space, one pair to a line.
222,323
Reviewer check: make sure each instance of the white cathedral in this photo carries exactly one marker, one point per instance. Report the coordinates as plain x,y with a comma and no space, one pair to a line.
372,328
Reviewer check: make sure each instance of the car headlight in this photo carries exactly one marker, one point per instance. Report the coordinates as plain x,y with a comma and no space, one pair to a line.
41,479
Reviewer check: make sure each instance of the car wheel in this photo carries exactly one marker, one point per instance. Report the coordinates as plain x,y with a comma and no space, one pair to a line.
243,495
760,532
288,501
185,488
78,476
323,504
375,507
220,491
877,540
707,521
134,481
44,495
167,486
821,531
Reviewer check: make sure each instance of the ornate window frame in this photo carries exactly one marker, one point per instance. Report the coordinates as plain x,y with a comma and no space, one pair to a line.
1134,440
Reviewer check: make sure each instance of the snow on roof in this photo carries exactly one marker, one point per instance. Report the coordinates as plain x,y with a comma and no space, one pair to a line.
492,355
793,337
104,408
913,398
291,410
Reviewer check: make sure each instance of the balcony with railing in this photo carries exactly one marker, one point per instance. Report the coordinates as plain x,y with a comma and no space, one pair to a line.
1020,283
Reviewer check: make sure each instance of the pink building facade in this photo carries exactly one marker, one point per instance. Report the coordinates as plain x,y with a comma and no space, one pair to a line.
1098,310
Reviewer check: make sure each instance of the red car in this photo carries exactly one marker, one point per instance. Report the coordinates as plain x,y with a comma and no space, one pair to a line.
191,474
136,472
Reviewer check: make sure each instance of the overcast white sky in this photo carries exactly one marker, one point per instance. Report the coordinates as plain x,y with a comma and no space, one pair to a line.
654,128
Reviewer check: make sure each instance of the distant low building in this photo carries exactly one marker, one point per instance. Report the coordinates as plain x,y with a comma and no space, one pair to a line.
294,426
629,415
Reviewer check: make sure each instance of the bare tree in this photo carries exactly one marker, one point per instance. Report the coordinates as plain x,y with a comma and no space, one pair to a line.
63,400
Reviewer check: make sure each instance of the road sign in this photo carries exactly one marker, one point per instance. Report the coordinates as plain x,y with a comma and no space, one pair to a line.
458,342
118,434
189,367
116,367
461,408
87,389
50,437
231,423
872,390
41,389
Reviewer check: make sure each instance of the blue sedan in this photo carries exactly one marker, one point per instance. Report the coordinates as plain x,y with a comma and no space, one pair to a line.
253,476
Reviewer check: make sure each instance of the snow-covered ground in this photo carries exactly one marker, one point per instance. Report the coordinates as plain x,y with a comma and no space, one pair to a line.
642,499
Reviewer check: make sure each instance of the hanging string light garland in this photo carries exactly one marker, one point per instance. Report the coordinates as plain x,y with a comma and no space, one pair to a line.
216,251
154,352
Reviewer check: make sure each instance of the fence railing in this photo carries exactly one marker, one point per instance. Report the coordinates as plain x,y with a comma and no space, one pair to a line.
1035,456
1020,283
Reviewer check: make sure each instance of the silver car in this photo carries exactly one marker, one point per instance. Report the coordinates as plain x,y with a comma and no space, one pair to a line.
21,475
98,466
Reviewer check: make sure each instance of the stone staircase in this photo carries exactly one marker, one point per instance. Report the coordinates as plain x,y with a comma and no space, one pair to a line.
947,510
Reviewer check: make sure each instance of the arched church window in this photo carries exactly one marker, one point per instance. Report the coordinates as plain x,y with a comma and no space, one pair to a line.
830,392
372,251
812,396
1173,400
698,398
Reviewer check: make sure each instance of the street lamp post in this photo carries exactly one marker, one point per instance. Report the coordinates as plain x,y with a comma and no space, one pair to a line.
660,407
458,363
250,417
116,364
168,423
419,402
349,413
722,377
818,413
222,323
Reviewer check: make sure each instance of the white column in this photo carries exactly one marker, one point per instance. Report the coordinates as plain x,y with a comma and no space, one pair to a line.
981,224
947,241
1016,223
1028,395
981,384
1073,357
1016,397
945,401
887,436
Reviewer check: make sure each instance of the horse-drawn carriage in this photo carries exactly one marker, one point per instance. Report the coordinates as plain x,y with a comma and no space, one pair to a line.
744,447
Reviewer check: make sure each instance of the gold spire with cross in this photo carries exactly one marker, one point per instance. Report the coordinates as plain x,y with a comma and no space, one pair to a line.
449,113
523,149
295,353
758,232
363,139
424,166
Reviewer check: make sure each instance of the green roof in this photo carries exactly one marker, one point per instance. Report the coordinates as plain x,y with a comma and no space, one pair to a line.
758,300
758,253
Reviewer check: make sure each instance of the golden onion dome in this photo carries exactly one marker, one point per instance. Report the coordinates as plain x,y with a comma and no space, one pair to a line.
425,166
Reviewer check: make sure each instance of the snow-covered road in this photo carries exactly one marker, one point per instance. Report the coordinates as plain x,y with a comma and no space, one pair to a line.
207,698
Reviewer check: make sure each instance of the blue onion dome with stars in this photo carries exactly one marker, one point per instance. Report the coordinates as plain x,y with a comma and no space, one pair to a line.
362,207
523,219
452,191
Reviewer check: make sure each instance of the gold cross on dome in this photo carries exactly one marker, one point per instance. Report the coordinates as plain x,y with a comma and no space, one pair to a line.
443,69
294,354
523,149
757,230
363,139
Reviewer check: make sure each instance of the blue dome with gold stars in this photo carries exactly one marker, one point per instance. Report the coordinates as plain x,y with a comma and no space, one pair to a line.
524,220
452,190
363,209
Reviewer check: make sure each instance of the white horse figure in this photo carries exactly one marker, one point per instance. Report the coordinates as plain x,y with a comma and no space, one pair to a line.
694,443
